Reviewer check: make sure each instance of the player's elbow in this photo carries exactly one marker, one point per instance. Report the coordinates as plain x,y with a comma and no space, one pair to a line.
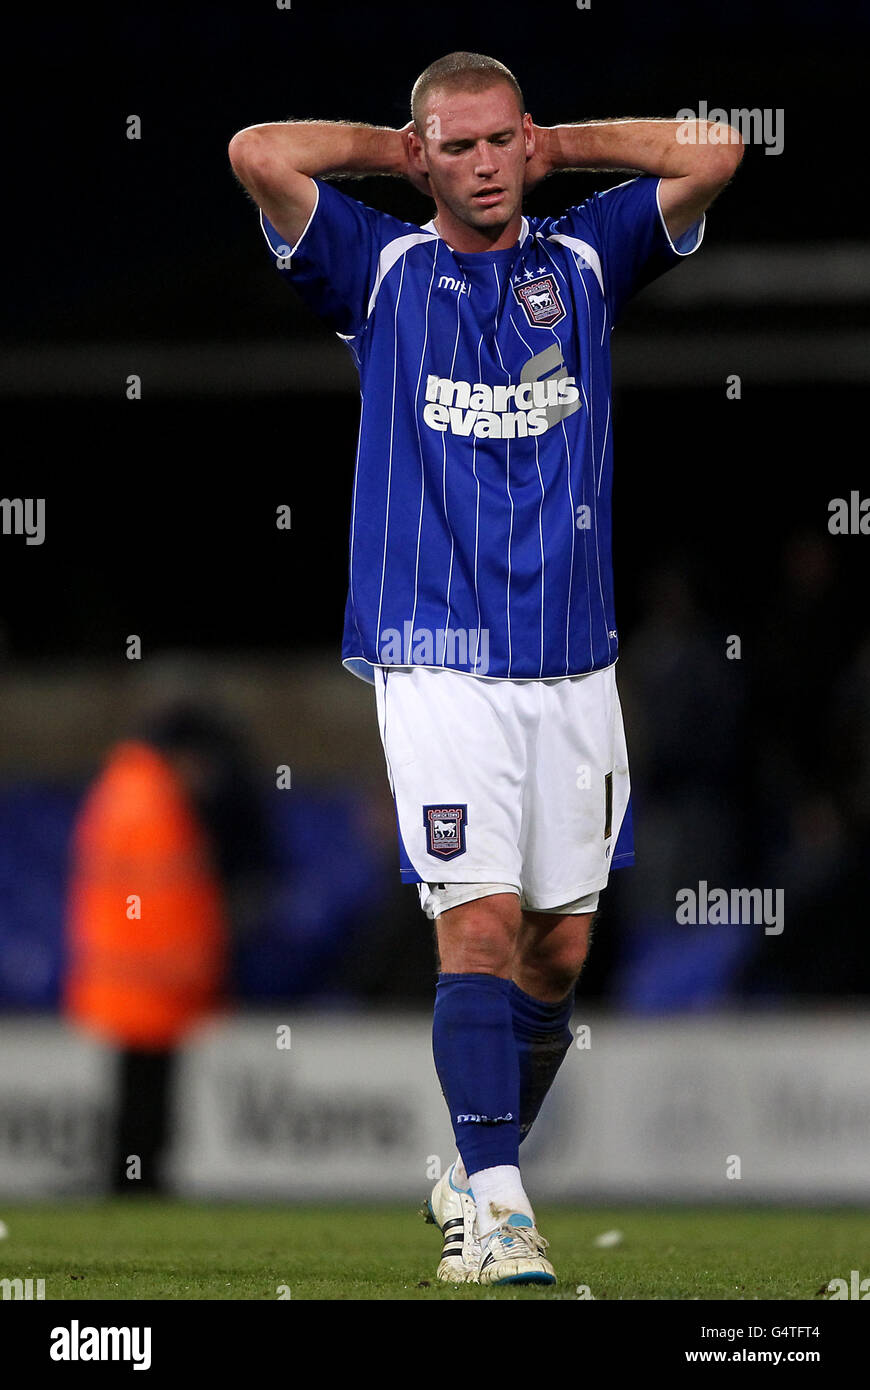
245,150
714,173
254,164
262,163
733,151
722,154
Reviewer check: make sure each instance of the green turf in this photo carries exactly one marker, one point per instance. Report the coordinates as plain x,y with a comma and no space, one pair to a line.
150,1249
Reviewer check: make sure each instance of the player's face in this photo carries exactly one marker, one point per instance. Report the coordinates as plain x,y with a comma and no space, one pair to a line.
476,145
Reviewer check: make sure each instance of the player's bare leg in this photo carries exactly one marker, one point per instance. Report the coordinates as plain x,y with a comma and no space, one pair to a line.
480,937
550,953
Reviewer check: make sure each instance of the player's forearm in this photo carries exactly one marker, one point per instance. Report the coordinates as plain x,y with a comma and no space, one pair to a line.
325,147
645,146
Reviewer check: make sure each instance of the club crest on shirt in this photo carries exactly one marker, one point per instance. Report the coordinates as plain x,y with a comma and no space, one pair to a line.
445,830
541,302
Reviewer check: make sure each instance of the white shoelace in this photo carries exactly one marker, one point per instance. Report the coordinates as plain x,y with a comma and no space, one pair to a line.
526,1235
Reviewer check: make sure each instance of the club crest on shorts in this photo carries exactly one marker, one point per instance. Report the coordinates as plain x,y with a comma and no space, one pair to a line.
541,302
445,830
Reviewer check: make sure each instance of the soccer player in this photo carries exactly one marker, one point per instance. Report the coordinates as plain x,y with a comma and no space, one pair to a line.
481,596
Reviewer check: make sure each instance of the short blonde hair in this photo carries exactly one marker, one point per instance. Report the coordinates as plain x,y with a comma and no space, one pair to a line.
466,72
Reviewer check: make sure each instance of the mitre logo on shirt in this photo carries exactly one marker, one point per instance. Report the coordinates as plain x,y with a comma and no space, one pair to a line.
498,412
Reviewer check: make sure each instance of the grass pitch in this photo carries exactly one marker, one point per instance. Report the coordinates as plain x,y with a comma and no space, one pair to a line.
154,1249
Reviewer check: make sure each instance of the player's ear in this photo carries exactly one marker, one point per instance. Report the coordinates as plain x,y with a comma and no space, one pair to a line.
529,134
416,149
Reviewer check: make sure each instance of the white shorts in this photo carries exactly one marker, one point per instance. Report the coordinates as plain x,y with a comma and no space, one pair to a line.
504,785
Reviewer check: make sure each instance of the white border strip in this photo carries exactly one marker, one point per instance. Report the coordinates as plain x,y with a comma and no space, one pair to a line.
292,253
700,223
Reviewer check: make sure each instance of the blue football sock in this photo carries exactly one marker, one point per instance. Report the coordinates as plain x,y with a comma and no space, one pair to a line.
476,1061
543,1036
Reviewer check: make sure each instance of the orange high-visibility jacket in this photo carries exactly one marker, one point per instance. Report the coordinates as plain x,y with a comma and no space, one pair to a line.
142,981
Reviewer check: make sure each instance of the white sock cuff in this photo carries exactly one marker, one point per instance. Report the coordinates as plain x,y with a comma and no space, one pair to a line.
498,1192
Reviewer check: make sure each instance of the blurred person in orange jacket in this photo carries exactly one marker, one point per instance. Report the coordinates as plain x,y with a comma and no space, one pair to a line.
158,847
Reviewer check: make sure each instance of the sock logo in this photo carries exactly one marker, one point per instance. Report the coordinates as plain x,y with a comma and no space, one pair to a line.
484,1119
445,830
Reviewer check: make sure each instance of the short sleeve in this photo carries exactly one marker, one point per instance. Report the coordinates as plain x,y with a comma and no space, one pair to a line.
626,228
333,266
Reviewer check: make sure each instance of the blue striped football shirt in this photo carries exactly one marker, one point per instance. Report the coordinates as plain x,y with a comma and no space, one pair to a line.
480,533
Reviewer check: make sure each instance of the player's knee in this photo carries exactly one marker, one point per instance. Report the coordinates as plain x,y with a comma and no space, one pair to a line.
479,937
564,971
556,959
550,979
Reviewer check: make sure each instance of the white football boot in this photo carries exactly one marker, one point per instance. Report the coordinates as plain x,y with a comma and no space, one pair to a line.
452,1209
514,1253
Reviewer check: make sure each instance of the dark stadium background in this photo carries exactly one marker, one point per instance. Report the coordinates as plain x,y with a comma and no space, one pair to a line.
145,256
